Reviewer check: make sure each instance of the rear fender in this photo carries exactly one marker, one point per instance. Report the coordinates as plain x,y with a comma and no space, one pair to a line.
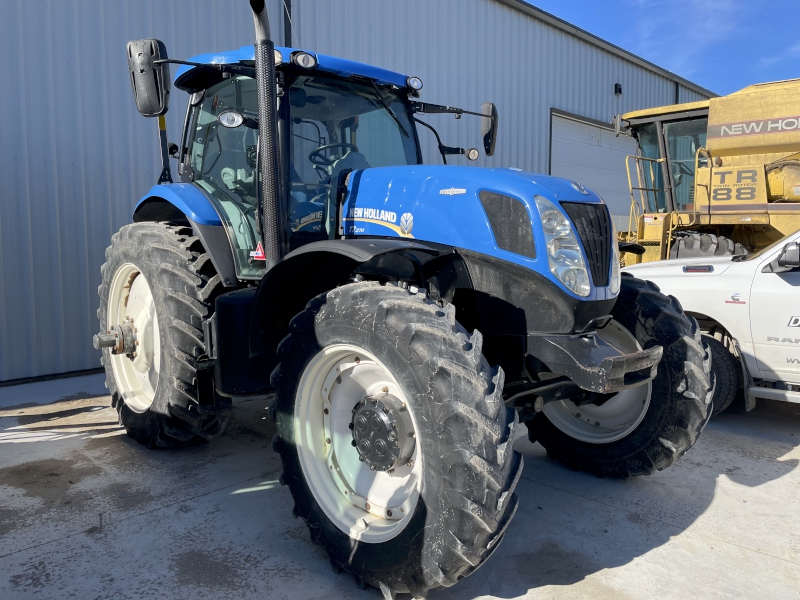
186,204
185,197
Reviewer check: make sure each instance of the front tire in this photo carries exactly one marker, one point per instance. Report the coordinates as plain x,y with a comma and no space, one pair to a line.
677,407
455,495
160,276
726,373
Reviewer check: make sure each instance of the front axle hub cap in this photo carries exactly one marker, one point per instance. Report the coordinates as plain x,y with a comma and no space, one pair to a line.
383,433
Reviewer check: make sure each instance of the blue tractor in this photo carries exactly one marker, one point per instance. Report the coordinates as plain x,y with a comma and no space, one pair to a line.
406,317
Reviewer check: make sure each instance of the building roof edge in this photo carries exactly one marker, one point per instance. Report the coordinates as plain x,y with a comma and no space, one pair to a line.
546,17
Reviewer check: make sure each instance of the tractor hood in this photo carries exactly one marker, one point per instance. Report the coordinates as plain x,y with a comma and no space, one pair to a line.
445,205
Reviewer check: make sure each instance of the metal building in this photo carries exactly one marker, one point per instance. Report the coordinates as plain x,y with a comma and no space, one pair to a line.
75,156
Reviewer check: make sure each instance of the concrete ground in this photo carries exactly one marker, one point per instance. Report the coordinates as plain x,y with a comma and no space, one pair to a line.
87,513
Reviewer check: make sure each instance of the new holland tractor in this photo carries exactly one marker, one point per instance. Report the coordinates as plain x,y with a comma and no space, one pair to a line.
407,317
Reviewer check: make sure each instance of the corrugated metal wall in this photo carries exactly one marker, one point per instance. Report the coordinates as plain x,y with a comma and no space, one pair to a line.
470,51
75,155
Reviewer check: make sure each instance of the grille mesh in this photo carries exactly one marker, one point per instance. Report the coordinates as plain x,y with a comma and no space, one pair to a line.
593,225
510,223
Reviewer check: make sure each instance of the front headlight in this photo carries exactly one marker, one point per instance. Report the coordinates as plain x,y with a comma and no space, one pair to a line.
563,251
616,275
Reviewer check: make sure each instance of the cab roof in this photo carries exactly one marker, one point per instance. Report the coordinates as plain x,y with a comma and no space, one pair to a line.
665,110
325,64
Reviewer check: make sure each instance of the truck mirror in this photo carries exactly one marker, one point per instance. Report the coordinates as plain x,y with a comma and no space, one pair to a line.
489,127
787,260
150,80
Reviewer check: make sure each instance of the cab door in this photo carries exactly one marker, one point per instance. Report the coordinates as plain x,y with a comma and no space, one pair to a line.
775,321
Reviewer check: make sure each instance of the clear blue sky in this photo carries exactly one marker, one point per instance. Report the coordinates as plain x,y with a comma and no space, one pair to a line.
722,45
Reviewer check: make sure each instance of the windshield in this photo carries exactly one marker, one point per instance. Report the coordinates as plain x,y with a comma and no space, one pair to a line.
339,125
684,138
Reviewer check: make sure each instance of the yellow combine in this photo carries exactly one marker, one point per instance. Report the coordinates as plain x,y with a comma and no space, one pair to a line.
716,177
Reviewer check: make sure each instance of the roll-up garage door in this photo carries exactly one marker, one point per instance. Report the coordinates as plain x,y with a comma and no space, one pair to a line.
591,155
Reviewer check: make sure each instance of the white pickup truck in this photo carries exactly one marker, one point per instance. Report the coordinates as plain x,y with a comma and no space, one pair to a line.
749,310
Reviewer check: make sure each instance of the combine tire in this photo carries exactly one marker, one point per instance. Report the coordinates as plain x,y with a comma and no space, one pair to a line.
726,373
646,428
691,244
160,276
395,441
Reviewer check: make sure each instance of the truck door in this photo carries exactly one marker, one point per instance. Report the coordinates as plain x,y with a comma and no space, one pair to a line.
775,321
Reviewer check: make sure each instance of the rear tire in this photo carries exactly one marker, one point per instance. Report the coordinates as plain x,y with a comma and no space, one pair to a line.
157,401
680,402
464,459
726,372
692,244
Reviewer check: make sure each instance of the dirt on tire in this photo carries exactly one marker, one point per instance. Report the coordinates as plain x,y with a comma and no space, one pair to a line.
465,432
184,285
680,403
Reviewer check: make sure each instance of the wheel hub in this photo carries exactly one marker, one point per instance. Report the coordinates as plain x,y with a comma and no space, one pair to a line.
383,433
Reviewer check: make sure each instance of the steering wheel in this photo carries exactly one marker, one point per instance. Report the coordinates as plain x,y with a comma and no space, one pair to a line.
319,160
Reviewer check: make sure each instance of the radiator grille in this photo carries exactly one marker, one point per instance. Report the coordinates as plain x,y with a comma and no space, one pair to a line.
593,225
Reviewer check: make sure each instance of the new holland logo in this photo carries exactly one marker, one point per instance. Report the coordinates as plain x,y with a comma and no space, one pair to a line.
406,223
453,191
578,187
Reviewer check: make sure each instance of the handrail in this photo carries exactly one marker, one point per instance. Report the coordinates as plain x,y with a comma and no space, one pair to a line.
639,207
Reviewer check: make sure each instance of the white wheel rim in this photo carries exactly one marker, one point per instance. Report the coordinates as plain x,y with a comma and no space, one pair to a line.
130,298
618,416
369,506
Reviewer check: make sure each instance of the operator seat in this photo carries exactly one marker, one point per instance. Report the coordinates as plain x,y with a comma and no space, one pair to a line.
352,160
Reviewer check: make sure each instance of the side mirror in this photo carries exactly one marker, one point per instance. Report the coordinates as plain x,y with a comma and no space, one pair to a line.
150,81
787,260
489,127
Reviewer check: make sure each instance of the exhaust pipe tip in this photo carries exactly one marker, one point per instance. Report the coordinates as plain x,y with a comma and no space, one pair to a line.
261,20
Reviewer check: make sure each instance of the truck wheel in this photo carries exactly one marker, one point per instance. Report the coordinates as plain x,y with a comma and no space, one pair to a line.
395,441
159,279
692,244
726,373
646,428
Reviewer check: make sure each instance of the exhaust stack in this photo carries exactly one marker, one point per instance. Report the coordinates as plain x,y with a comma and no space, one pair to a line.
273,218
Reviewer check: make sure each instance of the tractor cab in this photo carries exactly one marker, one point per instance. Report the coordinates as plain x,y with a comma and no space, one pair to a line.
333,118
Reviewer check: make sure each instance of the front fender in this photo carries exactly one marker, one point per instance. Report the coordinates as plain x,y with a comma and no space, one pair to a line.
307,272
186,197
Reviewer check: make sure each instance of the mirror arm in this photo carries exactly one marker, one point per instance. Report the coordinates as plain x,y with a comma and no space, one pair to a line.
225,68
436,109
166,171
